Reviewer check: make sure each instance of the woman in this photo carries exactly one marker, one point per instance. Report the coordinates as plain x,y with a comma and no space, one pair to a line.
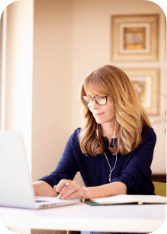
114,148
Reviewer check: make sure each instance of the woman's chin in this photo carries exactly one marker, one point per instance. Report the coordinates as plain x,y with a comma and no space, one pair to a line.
98,121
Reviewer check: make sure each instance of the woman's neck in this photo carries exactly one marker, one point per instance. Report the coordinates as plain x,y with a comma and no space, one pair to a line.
109,130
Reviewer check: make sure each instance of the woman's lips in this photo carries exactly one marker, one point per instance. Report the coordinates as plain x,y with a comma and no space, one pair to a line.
98,114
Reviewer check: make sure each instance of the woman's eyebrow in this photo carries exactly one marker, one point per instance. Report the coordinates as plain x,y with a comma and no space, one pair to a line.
93,96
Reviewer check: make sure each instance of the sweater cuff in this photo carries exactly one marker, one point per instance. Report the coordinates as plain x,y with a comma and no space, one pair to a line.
48,180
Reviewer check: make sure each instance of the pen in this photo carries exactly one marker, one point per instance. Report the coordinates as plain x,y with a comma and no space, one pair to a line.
66,184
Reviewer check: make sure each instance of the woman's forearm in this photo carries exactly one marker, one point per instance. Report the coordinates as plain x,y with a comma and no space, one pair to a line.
41,188
115,188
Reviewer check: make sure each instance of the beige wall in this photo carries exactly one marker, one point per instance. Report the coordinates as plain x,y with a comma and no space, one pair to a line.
17,69
85,28
0,66
92,48
52,83
70,39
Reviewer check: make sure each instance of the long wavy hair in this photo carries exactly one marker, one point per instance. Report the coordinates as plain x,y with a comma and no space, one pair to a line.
130,115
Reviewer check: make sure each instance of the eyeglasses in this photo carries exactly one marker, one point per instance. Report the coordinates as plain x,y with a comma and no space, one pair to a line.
100,100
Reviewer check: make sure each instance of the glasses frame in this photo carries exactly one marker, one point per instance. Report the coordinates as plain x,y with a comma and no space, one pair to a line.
94,98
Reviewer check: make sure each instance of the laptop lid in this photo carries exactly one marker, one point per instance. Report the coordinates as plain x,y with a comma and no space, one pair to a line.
15,183
16,188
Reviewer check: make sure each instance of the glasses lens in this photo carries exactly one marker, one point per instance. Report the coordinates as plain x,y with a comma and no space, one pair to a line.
87,100
100,100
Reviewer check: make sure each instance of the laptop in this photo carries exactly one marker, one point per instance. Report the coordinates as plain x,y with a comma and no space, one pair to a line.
16,188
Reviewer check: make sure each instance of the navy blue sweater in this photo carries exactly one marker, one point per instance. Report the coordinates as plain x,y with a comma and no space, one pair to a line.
132,169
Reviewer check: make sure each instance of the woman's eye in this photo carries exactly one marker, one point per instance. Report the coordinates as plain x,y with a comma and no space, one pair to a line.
100,97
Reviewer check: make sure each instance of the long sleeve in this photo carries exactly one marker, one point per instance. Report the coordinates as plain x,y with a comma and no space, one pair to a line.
136,172
132,169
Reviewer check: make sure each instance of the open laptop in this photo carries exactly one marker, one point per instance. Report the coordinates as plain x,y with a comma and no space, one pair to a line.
16,188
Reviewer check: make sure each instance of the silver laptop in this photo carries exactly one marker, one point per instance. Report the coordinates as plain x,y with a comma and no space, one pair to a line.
16,188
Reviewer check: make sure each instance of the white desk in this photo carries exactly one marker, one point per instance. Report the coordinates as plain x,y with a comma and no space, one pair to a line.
125,218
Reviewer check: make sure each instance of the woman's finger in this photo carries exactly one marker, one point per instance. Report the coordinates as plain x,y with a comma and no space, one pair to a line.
76,195
70,189
61,185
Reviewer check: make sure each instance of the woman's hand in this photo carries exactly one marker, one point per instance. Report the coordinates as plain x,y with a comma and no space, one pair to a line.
69,189
41,188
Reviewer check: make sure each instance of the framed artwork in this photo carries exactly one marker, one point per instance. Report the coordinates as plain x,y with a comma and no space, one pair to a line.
146,84
135,37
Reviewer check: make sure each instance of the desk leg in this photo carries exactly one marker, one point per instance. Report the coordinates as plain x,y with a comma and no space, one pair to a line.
73,232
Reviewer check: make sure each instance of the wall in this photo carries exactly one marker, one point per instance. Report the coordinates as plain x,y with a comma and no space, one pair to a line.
17,90
71,38
92,49
0,65
52,86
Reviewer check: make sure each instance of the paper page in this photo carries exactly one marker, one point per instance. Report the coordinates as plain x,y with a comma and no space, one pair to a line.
122,199
151,198
119,199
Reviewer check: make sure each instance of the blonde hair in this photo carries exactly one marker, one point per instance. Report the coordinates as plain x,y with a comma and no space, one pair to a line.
130,115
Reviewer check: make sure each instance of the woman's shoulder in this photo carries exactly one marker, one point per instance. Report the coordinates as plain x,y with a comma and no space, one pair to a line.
148,132
76,132
74,135
148,138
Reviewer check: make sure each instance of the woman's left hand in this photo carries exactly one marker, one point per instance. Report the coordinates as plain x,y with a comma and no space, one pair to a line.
69,189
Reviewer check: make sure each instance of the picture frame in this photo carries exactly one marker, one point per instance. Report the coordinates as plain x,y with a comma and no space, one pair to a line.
146,83
135,37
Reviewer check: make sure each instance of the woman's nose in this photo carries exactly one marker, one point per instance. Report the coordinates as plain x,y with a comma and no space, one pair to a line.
94,104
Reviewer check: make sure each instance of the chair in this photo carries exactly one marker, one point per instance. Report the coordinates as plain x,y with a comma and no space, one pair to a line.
159,181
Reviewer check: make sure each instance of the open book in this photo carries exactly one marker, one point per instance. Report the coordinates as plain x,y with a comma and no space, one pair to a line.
129,199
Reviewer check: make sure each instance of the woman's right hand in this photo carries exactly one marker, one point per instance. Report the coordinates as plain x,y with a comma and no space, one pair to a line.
69,189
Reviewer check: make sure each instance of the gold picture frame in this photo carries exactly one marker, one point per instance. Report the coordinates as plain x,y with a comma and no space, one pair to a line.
146,84
135,37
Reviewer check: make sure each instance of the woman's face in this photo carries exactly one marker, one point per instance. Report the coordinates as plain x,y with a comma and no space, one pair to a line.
103,113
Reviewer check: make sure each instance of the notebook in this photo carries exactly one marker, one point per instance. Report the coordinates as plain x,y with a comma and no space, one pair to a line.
129,199
16,188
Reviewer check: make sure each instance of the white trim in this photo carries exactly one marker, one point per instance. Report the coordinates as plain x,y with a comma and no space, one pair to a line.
3,69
